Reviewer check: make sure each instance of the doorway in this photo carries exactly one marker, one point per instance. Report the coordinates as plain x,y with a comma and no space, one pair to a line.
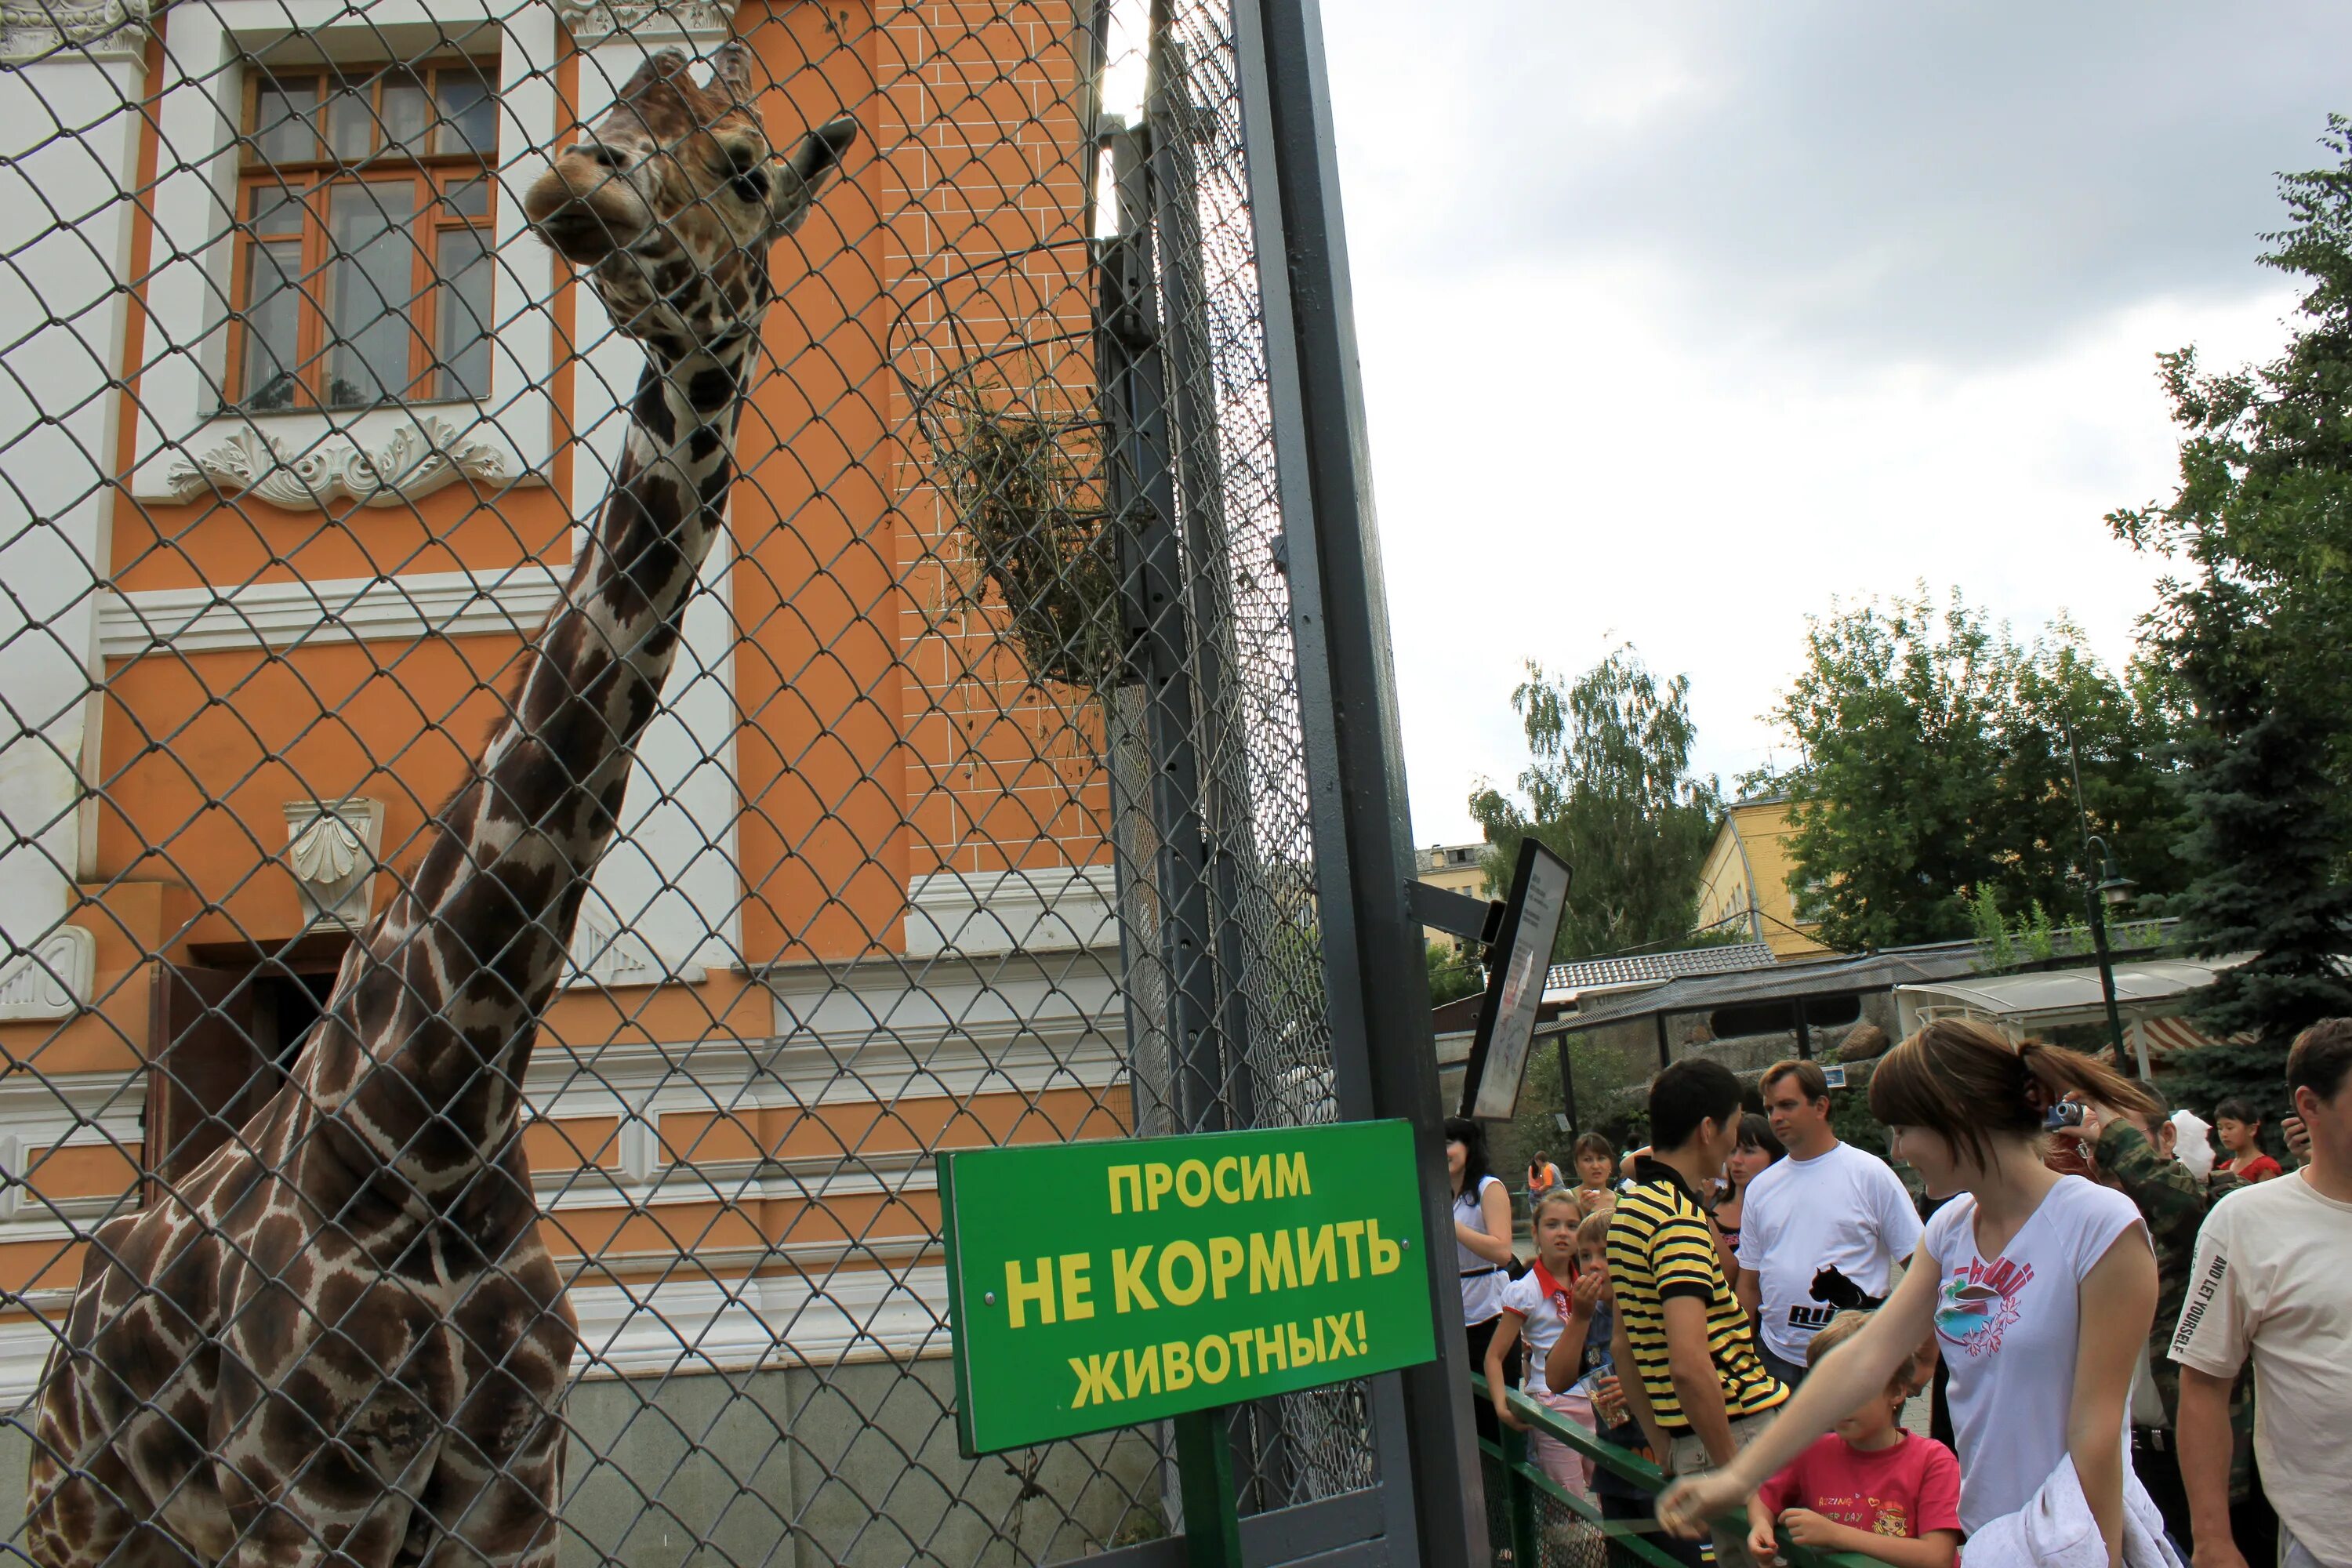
222,1038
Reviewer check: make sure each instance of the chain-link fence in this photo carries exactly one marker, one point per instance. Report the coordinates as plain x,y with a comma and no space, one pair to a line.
619,619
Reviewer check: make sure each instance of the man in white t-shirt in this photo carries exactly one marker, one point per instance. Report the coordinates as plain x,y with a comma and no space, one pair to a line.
2269,1279
1819,1231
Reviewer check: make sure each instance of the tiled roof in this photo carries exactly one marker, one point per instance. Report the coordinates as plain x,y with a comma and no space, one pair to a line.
1650,967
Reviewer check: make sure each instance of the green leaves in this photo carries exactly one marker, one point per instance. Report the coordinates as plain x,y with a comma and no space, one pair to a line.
1937,764
1609,787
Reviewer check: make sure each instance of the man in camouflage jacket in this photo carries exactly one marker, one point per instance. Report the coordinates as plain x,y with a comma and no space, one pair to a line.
2134,1156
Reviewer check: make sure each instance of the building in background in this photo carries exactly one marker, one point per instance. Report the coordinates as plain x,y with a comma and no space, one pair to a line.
1743,884
322,426
1456,867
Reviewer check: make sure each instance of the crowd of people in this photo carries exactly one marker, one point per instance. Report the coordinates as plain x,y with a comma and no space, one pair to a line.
2136,1352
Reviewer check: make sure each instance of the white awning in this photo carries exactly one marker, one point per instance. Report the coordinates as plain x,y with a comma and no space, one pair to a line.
2143,988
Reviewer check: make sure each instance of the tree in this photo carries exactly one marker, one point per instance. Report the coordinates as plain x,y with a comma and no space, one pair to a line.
2262,525
1941,762
1452,974
1609,788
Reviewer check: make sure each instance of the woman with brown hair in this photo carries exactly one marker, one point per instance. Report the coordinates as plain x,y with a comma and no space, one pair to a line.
1759,1150
2038,1288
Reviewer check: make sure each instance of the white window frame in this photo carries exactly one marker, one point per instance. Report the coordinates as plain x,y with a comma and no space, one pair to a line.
188,445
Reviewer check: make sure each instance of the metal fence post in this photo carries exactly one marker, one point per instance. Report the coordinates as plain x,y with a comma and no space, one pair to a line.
1152,574
1519,1497
1383,1047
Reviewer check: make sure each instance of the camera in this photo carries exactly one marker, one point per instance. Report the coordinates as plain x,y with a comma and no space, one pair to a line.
2065,1113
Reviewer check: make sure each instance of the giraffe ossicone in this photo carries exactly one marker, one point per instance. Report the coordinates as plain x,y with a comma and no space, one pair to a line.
341,1335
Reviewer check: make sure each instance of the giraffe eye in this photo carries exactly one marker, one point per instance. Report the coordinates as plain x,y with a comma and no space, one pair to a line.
753,185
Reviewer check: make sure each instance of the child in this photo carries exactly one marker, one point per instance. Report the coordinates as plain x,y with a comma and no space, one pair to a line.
1595,1159
1585,1388
1578,1358
1868,1487
2241,1132
1543,1304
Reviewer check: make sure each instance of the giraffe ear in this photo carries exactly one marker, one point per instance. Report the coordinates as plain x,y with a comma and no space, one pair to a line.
810,168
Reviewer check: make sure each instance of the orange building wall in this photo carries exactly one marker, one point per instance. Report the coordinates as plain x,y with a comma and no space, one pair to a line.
883,734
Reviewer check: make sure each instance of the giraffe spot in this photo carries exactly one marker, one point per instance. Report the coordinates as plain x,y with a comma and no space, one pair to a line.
710,389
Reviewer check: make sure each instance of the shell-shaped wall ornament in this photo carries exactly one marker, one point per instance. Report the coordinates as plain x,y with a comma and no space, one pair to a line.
328,851
331,851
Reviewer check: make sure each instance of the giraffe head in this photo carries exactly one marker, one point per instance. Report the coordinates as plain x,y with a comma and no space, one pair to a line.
671,201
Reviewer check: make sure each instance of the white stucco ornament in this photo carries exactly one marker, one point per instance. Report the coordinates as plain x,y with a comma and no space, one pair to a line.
332,851
420,458
35,31
52,979
593,22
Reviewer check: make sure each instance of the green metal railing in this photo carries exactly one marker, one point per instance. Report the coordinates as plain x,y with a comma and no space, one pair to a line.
1544,1525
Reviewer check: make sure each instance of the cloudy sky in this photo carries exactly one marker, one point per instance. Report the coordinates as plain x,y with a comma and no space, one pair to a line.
1679,321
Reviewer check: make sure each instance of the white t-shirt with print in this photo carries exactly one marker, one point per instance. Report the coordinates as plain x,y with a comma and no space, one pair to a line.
2274,1276
1842,1210
2008,1328
1542,1315
1482,1281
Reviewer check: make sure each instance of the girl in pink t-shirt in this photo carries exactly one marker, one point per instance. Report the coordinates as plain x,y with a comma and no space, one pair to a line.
1868,1488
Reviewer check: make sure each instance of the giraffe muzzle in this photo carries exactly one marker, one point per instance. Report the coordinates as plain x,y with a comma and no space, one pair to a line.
583,212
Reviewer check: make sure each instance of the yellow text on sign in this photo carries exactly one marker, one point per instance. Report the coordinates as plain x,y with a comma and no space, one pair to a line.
1062,1288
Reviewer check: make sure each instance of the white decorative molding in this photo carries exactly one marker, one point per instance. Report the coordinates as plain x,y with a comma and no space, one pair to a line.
53,979
674,1328
36,30
593,22
1058,909
614,960
510,603
767,1322
330,848
420,457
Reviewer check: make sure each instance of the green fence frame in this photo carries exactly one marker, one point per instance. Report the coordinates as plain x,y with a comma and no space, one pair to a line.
1524,1483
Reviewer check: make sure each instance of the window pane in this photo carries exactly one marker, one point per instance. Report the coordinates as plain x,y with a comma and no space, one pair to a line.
464,266
469,118
274,209
272,322
350,122
404,113
368,292
470,198
281,122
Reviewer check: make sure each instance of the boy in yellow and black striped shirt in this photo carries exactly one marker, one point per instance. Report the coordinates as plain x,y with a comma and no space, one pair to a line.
1703,1404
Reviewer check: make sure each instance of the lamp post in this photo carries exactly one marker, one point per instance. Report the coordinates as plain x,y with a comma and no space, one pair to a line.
2112,888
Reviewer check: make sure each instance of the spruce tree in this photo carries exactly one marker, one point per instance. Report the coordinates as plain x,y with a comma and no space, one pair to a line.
2263,523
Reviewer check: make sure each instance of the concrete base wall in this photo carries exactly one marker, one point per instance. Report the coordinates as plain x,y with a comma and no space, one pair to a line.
795,1469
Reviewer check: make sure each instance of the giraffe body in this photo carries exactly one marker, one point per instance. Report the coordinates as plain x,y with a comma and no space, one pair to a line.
343,1337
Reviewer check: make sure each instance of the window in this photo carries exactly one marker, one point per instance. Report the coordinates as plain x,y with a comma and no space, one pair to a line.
1780,1018
363,270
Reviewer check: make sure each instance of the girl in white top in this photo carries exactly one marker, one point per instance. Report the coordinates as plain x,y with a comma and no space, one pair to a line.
1482,1246
2006,1278
1536,1307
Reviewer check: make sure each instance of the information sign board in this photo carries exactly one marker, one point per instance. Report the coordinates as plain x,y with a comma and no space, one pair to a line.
1517,970
1099,1285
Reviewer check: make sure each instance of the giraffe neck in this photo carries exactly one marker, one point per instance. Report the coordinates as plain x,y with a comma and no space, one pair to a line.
418,1069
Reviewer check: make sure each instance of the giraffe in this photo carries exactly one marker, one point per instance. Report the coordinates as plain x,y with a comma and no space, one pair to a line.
342,1336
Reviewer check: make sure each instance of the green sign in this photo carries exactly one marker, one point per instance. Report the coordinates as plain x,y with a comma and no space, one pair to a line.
1100,1285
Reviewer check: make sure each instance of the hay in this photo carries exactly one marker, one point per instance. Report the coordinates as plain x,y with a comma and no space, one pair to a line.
1022,489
